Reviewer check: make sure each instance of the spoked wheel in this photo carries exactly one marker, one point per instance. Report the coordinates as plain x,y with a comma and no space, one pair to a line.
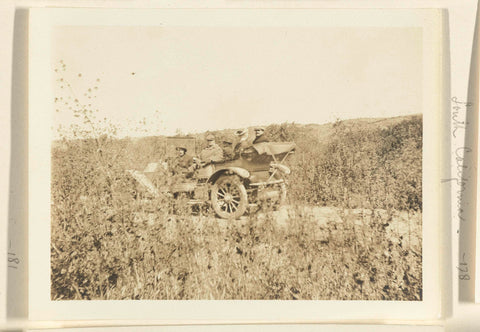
229,197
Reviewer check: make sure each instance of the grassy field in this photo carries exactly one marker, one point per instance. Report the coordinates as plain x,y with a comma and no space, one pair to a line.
351,229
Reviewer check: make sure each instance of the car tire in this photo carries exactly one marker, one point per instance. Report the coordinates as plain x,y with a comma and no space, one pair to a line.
229,197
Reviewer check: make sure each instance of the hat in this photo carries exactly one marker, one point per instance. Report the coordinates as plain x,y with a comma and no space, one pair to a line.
178,148
241,132
210,137
259,129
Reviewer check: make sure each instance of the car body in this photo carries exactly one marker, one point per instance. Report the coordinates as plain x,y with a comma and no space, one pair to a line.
257,177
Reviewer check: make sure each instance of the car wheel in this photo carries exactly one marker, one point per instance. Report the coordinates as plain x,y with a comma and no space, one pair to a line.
229,197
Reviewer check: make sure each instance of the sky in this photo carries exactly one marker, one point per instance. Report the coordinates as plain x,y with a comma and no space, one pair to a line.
194,79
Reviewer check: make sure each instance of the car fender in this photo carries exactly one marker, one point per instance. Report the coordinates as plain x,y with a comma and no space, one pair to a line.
241,172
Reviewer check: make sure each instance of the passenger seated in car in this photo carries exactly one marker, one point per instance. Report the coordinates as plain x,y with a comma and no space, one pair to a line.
228,149
259,135
212,153
182,164
242,142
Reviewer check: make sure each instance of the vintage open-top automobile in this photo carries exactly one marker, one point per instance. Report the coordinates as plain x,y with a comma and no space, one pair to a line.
257,178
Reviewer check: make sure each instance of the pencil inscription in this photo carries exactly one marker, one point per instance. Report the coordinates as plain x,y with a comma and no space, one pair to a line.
459,109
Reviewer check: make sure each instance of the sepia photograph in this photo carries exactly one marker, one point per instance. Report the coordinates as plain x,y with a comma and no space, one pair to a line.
190,163
236,161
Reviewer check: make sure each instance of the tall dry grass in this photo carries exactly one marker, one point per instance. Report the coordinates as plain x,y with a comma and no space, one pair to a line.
110,240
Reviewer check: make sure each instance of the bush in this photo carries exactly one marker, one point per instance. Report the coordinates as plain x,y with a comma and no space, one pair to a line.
361,167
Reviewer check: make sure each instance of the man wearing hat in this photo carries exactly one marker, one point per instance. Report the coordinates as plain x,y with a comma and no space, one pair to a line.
182,164
228,153
212,153
259,137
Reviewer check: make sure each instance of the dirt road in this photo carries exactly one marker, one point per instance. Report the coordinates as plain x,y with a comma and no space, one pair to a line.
399,224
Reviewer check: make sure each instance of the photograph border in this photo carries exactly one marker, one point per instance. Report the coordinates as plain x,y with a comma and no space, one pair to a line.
41,98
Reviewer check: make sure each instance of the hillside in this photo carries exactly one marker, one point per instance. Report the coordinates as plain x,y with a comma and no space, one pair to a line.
360,162
351,227
278,132
320,131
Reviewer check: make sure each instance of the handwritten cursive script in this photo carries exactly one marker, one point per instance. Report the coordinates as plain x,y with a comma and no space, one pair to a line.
459,109
461,180
460,176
